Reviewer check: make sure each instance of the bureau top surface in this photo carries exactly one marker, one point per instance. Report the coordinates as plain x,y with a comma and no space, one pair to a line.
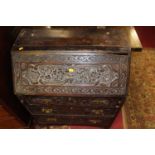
73,37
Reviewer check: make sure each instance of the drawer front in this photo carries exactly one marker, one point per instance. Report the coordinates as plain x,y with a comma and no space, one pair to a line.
70,73
73,120
92,102
71,110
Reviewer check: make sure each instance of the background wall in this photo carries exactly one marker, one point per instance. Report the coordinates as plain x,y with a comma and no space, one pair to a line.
146,35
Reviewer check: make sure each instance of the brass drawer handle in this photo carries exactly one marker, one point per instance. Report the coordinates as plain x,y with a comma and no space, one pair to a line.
51,119
94,121
97,101
98,112
46,110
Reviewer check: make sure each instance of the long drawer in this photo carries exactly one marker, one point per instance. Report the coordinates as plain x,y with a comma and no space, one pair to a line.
74,120
71,110
92,102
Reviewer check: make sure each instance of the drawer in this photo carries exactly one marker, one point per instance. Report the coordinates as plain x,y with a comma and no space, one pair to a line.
71,110
92,102
74,120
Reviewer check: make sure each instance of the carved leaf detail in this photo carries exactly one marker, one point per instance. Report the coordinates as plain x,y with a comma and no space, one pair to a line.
43,74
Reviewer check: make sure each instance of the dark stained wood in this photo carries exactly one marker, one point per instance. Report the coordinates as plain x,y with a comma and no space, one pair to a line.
67,64
134,41
79,37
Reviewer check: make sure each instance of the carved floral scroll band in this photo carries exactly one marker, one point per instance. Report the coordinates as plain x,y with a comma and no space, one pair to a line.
49,74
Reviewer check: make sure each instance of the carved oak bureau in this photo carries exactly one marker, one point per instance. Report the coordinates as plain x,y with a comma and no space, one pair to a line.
71,75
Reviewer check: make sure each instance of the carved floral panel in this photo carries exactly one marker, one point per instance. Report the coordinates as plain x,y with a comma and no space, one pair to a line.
48,78
42,74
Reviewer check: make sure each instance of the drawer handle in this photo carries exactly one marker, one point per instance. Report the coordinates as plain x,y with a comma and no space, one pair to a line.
51,119
100,101
47,111
94,121
98,112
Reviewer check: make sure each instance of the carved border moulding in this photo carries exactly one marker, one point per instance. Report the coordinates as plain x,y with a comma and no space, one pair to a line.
69,58
56,91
